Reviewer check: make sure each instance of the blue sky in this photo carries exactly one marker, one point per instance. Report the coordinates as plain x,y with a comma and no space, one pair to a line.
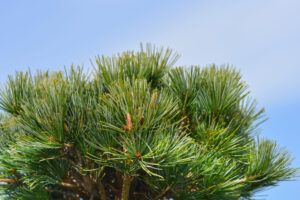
261,38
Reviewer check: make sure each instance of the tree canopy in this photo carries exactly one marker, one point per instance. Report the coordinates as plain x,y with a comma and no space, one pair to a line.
135,127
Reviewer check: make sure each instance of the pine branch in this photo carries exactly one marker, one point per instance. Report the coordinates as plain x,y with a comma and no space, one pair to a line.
135,128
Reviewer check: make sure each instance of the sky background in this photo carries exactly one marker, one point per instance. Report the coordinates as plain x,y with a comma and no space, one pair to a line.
261,38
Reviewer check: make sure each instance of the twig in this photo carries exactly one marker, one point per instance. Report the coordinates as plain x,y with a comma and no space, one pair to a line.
163,192
67,185
8,180
125,187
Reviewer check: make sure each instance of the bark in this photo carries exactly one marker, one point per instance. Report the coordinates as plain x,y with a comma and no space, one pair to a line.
101,190
125,187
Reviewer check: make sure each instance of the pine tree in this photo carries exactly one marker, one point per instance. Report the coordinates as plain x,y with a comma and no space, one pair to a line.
137,128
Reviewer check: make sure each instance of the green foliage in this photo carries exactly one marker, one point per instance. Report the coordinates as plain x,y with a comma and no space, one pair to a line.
135,128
